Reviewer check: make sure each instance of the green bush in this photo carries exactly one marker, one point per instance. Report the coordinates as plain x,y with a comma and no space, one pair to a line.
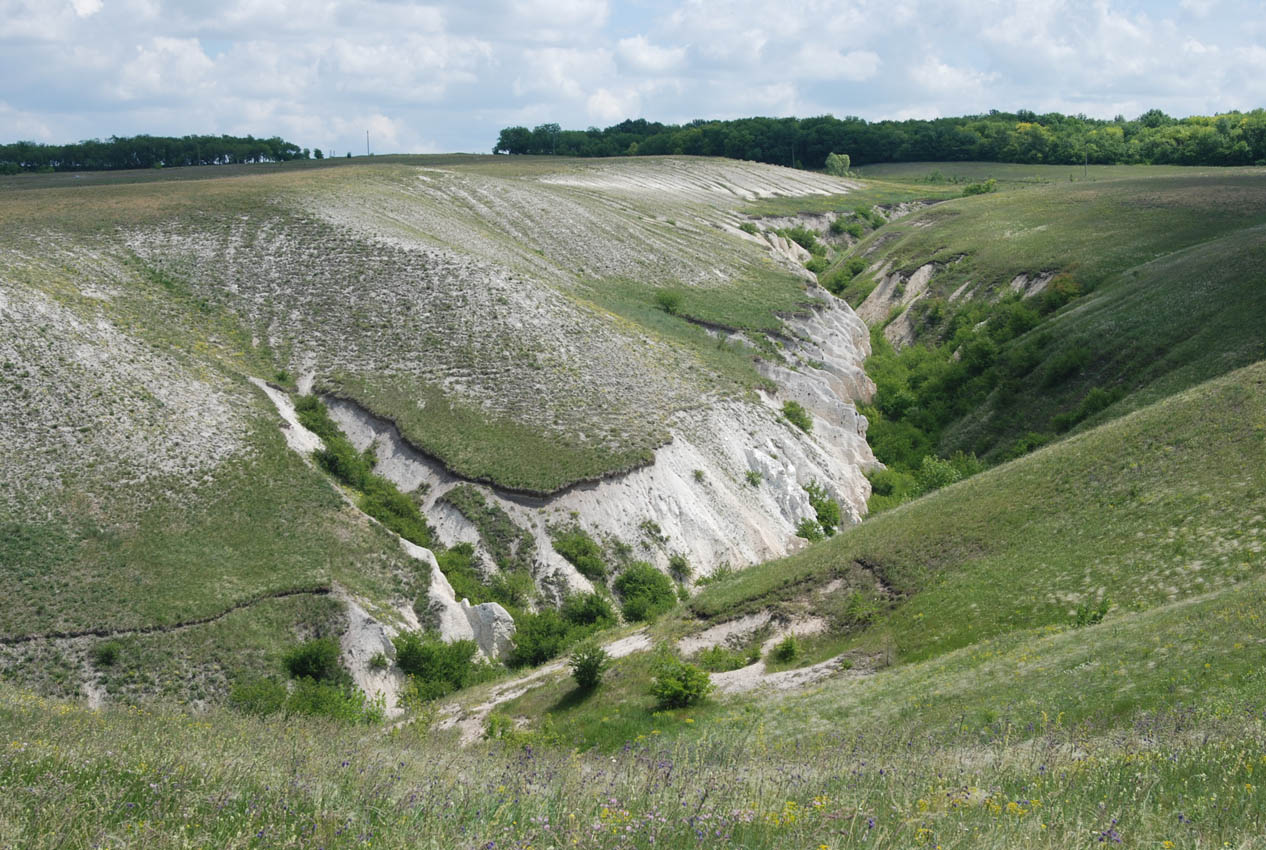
748,227
312,698
1091,615
539,637
588,663
796,414
721,659
679,566
837,164
827,509
645,591
438,668
936,472
308,697
379,661
106,654
809,530
753,477
581,550
805,238
677,684
788,649
990,185
588,609
316,659
669,300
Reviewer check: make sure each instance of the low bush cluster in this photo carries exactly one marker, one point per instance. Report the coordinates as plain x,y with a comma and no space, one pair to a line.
677,683
795,413
644,591
581,550
436,668
550,632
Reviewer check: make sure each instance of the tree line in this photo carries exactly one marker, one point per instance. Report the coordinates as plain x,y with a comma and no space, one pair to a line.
122,152
1232,138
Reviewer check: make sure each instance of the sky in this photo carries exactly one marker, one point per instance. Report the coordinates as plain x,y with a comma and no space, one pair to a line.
448,76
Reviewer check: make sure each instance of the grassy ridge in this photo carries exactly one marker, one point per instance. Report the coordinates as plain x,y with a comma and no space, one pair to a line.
1160,505
1163,326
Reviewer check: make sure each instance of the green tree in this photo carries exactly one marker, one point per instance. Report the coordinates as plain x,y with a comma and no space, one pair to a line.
837,164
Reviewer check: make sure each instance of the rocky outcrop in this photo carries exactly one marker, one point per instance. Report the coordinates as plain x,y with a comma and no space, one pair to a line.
695,499
488,624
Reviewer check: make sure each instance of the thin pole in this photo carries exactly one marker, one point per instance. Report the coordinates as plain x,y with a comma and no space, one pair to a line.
367,143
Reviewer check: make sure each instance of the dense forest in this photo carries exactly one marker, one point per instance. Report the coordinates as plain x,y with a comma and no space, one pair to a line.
1234,138
147,152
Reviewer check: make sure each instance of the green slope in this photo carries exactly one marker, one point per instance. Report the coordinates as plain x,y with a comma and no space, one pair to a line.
1161,505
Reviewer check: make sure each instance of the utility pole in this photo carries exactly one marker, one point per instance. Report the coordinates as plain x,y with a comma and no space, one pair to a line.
367,153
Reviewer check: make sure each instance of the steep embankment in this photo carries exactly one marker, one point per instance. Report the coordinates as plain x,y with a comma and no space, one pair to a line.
594,345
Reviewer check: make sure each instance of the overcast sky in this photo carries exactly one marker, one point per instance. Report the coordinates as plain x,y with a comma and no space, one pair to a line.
448,76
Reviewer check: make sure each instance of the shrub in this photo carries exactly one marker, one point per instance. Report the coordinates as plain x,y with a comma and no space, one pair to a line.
646,591
990,185
854,266
588,609
260,697
698,474
669,301
538,638
854,229
817,265
1088,615
316,659
325,699
308,697
798,416
679,566
859,609
837,164
748,227
809,530
753,477
437,668
805,238
581,550
677,684
379,661
826,508
788,649
588,663
106,654
936,472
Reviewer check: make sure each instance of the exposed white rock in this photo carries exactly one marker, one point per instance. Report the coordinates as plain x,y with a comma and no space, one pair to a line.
493,628
297,437
696,492
488,624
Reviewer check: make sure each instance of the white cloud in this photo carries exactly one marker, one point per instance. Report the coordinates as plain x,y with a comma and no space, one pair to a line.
638,54
438,74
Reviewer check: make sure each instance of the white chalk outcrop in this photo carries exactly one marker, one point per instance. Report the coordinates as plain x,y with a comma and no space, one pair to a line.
697,495
488,624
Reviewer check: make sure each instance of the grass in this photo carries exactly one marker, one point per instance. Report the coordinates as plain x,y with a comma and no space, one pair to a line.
256,527
1157,286
1163,326
1161,505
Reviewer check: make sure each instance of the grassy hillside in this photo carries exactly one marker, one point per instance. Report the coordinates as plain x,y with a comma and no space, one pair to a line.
502,313
1000,722
1053,303
1159,506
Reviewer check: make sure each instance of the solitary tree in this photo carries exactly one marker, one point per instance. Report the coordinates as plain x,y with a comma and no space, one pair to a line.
837,164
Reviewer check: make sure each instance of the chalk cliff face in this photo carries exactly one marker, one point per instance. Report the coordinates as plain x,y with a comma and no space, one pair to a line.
728,489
